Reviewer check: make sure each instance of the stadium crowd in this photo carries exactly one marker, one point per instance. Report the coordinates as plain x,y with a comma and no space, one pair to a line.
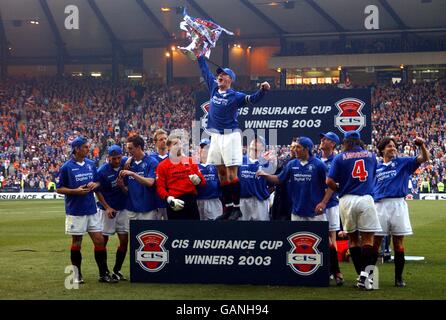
39,117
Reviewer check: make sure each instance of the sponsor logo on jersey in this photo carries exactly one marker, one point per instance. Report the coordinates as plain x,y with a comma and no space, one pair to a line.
151,255
350,116
304,257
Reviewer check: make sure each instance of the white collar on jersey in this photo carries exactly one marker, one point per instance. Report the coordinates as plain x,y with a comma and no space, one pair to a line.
80,163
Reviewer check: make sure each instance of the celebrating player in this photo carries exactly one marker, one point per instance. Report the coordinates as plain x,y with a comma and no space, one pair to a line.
354,172
392,181
308,191
112,196
140,180
77,180
160,154
328,144
225,150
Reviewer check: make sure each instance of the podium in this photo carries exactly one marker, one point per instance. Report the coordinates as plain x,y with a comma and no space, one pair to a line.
230,252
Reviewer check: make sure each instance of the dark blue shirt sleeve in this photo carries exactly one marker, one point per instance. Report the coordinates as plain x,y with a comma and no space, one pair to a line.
95,175
63,177
334,170
245,99
151,172
206,73
322,172
284,175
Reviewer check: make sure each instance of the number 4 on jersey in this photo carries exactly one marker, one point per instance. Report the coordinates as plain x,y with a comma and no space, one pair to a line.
359,171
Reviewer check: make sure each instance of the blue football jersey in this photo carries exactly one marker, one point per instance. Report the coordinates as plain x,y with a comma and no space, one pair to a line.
113,194
211,190
250,184
223,108
160,203
392,178
334,201
73,175
354,170
141,198
306,185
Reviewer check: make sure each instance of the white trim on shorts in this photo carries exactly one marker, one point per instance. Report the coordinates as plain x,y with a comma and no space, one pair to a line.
393,215
225,149
80,225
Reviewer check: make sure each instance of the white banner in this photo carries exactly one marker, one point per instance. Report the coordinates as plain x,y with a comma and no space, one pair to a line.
432,196
31,196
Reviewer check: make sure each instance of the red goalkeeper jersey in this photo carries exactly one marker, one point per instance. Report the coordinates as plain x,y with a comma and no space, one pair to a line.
172,179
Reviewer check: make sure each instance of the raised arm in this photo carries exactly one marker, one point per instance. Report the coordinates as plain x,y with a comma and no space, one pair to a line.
424,156
206,73
258,95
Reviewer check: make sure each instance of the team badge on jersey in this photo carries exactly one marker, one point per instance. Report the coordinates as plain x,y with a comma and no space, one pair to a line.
350,116
151,255
304,257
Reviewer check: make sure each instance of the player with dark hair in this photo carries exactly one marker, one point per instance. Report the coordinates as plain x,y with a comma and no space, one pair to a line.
177,179
308,191
208,199
112,196
160,154
140,181
328,144
352,175
225,150
392,186
78,179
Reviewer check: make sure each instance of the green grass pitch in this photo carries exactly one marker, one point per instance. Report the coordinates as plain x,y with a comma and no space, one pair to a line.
34,252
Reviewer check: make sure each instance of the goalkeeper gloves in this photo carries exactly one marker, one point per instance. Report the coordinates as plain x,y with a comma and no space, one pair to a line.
175,204
195,179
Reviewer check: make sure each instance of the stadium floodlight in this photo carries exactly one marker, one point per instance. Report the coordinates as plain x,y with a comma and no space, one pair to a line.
288,4
134,76
96,74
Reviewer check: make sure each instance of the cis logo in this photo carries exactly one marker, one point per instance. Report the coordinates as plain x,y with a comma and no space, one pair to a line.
350,116
304,257
151,255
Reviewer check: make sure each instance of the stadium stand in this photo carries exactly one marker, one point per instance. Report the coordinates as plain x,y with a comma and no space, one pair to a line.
39,117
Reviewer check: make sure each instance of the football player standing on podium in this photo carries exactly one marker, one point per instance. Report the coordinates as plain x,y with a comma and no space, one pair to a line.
392,186
225,150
